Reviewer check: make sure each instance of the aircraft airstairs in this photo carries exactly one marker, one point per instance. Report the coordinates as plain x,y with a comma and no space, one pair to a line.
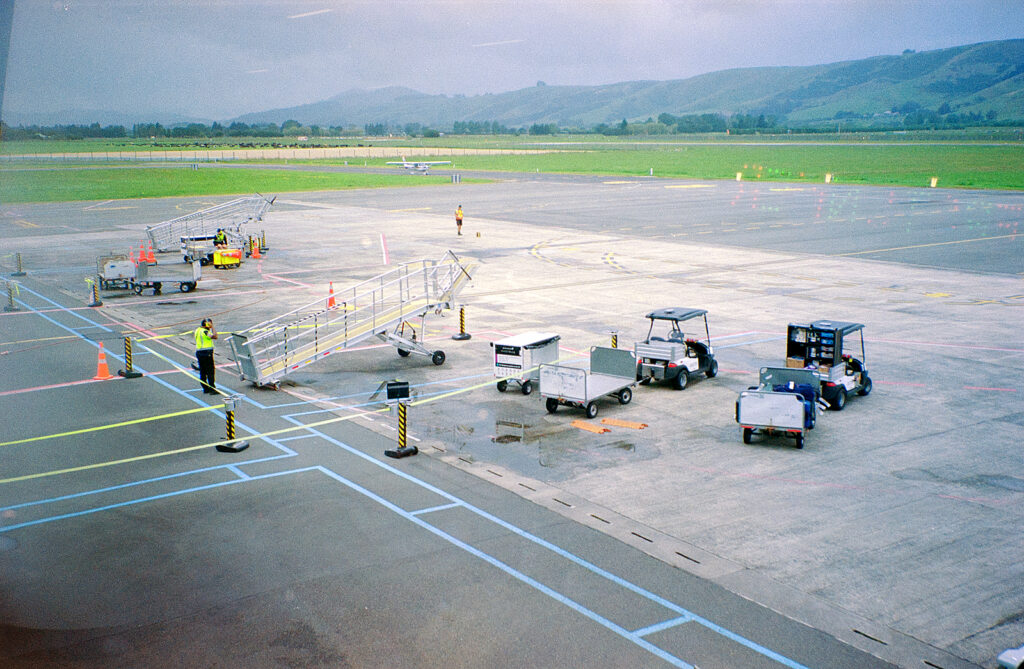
379,307
228,216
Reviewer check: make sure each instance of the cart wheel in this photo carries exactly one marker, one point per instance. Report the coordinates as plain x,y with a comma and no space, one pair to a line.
502,385
712,369
551,405
840,400
437,358
204,261
644,381
403,353
625,395
137,287
799,441
527,387
747,433
866,388
157,287
682,380
591,409
187,286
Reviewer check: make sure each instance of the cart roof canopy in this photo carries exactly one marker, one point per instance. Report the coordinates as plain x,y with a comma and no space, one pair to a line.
843,327
678,314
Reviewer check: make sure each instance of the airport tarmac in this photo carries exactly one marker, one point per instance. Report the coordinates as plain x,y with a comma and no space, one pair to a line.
896,531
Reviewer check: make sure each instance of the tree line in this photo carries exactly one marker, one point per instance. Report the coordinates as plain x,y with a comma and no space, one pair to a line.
909,115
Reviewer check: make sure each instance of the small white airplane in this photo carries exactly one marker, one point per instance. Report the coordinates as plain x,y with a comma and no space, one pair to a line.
421,166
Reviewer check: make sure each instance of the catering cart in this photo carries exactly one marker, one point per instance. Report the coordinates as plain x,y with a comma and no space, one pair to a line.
517,359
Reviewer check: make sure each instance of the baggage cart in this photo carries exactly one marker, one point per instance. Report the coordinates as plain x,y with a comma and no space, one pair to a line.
186,282
517,359
785,402
612,372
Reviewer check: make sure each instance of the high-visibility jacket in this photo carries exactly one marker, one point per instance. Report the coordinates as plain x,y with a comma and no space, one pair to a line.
203,339
458,214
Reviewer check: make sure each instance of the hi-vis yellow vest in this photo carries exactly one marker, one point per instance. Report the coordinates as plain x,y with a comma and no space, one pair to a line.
203,339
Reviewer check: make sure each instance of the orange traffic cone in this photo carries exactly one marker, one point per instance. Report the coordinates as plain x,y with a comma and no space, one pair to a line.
142,252
102,371
131,258
331,304
256,251
150,257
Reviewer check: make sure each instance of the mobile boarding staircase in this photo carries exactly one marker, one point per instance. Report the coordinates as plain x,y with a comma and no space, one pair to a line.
228,216
379,307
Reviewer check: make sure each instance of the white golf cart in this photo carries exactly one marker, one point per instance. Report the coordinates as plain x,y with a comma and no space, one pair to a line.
674,356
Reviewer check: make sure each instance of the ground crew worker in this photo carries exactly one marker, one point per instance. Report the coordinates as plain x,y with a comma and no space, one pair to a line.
205,334
458,219
220,240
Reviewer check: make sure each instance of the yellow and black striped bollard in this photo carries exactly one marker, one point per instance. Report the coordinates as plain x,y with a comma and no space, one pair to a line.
128,372
231,445
403,449
615,338
21,269
12,288
95,290
463,335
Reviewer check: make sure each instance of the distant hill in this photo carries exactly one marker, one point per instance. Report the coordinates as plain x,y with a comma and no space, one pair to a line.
978,78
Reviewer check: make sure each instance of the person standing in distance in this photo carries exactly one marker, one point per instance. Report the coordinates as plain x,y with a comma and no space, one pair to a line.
458,219
205,334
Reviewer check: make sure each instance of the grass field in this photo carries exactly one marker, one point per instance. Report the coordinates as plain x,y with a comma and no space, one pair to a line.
962,166
983,165
76,183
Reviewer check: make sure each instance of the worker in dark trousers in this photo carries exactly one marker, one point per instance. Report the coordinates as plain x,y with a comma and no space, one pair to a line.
205,334
458,219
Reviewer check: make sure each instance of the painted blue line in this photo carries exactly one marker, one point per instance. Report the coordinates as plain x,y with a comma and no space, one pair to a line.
239,472
570,556
537,585
111,488
660,627
152,498
108,507
535,539
436,508
157,379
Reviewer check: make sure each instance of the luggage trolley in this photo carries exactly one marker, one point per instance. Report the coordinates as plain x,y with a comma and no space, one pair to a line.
518,358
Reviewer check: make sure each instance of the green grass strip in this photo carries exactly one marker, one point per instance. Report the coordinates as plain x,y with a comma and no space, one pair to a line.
68,184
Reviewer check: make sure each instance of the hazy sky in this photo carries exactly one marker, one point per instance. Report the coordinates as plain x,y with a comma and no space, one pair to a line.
215,59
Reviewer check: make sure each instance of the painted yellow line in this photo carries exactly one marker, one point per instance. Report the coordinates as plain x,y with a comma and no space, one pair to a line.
274,433
691,186
108,427
111,208
921,246
187,449
25,224
166,336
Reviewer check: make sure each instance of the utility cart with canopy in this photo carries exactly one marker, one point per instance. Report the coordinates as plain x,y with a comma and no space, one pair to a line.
673,355
819,346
